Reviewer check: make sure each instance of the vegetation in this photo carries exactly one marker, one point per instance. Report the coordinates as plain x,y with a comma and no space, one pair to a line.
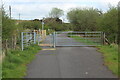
56,13
81,19
108,23
8,31
90,19
110,54
15,63
11,31
32,25
84,19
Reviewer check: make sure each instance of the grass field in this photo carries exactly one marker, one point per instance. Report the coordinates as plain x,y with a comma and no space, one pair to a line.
110,54
15,63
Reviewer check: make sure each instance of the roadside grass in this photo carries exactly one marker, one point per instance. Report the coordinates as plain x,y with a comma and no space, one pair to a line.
15,63
110,54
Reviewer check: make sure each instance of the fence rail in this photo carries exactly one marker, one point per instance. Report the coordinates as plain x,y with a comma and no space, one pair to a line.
27,38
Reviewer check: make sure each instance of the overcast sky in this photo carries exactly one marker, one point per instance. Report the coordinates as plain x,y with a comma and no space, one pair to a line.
32,9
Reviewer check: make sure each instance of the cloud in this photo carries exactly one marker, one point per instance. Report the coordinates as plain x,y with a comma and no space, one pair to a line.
58,1
31,9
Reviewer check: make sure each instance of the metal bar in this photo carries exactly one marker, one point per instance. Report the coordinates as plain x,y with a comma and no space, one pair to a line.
54,45
77,45
90,38
22,41
27,38
34,38
55,38
27,32
79,32
95,37
87,35
38,39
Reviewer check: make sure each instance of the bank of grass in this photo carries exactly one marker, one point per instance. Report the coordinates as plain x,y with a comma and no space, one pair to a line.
110,54
15,63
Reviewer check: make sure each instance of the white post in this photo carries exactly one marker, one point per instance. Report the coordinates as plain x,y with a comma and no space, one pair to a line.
22,45
42,29
34,37
54,42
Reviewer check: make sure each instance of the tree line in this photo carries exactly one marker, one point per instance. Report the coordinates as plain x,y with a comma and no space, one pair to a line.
11,31
90,19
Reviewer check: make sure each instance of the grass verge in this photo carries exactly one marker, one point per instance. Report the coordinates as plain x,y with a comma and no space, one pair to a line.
15,63
110,54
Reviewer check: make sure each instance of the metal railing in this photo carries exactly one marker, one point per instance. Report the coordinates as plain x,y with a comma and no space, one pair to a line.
27,38
75,38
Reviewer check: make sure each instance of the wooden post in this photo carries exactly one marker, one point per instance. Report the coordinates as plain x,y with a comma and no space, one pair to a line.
15,41
103,38
6,46
12,43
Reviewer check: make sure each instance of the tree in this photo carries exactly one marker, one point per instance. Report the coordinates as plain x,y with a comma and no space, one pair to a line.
9,31
108,23
84,19
33,25
94,20
56,13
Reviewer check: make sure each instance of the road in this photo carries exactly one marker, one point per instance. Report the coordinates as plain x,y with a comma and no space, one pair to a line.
69,62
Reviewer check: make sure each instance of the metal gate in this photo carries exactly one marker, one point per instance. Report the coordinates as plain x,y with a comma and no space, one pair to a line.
28,38
73,38
48,41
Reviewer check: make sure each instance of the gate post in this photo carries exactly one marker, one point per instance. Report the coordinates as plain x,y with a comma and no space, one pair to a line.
54,42
103,38
34,38
22,41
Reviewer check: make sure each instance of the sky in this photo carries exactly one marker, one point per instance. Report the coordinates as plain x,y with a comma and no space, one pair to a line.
37,9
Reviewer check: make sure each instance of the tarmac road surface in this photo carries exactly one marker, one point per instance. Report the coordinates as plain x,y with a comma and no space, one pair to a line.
68,62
